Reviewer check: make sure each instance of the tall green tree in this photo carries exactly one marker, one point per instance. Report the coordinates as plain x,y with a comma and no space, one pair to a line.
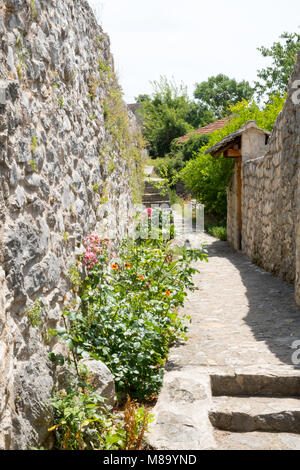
220,92
169,113
275,78
164,115
199,116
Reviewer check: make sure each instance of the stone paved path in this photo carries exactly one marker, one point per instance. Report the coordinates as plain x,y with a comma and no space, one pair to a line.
244,322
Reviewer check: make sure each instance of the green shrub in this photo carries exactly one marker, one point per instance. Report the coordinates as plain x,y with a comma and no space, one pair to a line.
217,232
129,312
207,177
164,116
168,168
188,149
84,422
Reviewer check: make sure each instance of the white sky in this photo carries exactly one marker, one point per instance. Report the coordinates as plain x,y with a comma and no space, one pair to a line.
191,40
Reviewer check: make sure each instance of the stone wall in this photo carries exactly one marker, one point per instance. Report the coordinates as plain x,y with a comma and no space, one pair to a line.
62,176
271,198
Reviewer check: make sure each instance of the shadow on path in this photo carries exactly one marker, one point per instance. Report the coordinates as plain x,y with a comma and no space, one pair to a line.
273,315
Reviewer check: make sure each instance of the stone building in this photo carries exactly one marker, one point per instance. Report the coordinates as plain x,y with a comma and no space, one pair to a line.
264,193
247,143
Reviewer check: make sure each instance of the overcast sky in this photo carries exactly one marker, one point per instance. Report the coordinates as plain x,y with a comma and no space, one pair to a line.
191,40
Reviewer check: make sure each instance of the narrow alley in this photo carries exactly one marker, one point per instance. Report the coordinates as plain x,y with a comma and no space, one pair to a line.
233,385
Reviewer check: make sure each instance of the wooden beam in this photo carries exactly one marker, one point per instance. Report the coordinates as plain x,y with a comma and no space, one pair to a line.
239,200
232,145
222,150
232,153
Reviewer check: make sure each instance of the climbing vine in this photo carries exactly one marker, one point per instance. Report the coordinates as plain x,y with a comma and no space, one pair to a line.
127,142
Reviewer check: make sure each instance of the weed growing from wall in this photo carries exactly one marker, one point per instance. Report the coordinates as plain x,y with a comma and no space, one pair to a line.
33,165
34,12
34,143
34,313
22,58
127,143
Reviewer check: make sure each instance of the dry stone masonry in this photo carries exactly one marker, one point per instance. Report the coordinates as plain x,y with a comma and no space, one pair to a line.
270,233
62,176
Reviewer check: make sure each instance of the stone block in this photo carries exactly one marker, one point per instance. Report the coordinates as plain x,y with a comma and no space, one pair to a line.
101,379
2,95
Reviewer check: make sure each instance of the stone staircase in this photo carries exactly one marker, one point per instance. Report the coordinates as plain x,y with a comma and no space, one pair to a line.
152,195
238,411
260,412
247,414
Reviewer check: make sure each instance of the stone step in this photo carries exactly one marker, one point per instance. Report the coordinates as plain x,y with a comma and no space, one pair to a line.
156,197
248,414
155,191
256,441
150,186
268,383
150,189
157,204
148,171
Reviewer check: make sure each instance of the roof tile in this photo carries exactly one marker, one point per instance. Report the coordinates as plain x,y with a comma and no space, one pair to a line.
214,126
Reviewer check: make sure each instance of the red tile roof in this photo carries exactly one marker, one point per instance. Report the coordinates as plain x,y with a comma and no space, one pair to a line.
214,126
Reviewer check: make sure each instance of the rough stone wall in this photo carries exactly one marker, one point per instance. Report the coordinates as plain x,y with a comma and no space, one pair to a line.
271,198
61,178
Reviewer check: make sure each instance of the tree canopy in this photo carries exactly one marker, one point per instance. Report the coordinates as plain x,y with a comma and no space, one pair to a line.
275,78
167,114
218,93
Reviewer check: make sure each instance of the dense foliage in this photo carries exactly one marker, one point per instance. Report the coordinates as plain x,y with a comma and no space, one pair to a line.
170,166
217,231
275,78
199,115
84,422
186,150
218,93
167,114
208,177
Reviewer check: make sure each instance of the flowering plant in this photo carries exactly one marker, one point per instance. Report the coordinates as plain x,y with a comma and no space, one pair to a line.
156,224
128,316
96,251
